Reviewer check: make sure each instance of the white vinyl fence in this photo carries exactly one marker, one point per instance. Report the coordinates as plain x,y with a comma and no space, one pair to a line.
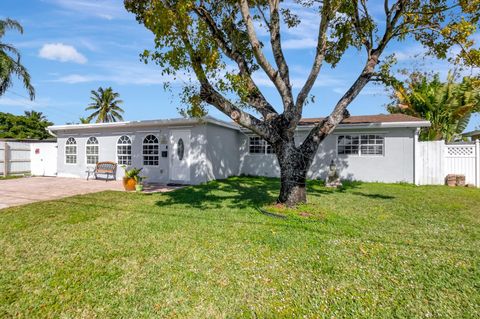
14,157
436,159
28,157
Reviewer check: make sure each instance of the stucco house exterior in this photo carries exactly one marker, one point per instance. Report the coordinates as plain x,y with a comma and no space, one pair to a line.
191,151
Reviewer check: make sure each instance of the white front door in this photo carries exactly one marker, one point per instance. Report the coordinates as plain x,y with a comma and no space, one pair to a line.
179,155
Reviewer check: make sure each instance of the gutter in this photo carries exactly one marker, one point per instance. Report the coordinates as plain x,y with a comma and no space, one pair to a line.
415,124
147,123
51,132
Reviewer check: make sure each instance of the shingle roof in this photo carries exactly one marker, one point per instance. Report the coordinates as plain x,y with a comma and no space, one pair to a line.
472,133
364,119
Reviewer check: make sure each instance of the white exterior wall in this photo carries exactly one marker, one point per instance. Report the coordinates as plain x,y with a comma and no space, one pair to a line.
223,157
107,140
396,165
217,152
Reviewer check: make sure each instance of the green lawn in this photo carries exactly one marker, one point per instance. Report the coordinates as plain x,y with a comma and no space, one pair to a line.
11,176
369,250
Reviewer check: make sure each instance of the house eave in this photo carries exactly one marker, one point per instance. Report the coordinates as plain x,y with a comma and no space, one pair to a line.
411,124
140,124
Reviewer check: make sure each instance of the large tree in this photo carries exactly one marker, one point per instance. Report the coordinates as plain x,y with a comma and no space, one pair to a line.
220,43
447,105
106,106
26,126
36,116
10,63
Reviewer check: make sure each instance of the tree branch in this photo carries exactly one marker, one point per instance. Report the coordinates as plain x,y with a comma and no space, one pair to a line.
254,97
275,41
282,88
209,95
326,126
318,60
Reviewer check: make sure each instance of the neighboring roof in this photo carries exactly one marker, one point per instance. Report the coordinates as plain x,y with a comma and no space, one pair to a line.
363,121
368,119
472,133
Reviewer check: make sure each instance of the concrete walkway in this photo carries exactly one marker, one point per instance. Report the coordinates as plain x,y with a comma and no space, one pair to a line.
20,191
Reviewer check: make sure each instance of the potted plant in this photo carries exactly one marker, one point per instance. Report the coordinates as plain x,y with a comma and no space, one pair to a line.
139,185
130,178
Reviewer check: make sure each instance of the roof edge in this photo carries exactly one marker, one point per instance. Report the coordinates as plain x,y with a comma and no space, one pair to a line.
408,124
164,122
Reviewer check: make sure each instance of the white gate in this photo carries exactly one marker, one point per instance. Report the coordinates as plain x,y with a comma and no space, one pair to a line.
436,160
44,159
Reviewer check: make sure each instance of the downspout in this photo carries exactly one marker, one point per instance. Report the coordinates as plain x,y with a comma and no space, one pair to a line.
51,132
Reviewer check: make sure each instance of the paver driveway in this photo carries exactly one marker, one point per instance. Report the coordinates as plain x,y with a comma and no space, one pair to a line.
26,190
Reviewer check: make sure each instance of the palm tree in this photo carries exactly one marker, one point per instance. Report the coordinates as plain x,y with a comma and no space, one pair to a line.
10,61
448,106
106,106
84,120
38,116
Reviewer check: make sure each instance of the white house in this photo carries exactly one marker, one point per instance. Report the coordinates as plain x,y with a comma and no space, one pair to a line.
191,151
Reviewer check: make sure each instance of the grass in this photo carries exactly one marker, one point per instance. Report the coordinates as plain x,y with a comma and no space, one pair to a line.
2,177
365,251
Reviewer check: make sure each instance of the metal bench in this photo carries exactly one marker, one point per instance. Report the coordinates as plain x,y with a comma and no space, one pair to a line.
103,168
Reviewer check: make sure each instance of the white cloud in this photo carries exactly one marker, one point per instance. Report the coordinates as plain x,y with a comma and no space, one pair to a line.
61,52
104,9
124,73
23,102
76,78
298,82
296,44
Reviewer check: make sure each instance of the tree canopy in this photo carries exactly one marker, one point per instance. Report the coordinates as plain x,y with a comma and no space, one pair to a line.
32,125
222,45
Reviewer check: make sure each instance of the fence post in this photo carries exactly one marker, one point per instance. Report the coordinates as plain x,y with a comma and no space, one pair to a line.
5,158
477,162
417,169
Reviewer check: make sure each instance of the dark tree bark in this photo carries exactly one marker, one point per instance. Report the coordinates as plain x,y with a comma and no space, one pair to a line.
294,166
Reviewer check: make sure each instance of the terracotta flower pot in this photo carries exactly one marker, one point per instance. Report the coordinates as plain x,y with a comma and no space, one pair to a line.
129,183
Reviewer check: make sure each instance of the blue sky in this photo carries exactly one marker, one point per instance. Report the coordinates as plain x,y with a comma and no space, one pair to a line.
73,46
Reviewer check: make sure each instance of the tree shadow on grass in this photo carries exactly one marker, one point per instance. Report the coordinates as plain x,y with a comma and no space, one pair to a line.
235,192
241,192
373,196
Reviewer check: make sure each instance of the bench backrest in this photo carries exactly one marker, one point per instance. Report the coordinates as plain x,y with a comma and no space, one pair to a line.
106,167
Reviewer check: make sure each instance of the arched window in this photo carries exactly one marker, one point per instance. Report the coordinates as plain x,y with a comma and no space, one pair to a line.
71,151
124,150
150,150
92,150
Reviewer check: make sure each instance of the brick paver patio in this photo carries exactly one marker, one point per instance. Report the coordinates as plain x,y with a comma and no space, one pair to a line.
20,191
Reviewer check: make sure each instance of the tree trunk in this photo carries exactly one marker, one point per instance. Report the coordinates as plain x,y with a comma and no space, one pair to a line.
293,174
